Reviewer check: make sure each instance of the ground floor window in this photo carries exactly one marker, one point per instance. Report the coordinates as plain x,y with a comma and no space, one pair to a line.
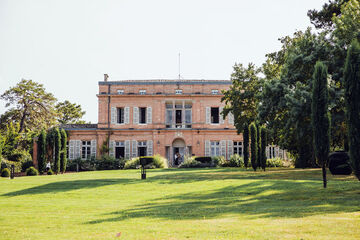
215,148
85,149
238,148
142,148
119,150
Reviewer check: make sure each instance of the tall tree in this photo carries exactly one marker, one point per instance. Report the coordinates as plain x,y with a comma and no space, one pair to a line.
246,144
241,98
320,116
69,113
34,106
63,160
263,144
57,145
258,140
323,18
41,151
253,146
352,99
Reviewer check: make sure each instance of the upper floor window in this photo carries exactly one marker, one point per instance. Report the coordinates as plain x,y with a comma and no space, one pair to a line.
178,91
214,115
142,92
142,115
178,115
120,91
85,149
120,115
214,91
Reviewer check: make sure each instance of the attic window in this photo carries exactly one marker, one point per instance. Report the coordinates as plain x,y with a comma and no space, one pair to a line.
178,91
215,91
142,92
120,91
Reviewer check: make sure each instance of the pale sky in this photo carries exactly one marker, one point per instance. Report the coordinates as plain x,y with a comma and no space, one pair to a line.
68,45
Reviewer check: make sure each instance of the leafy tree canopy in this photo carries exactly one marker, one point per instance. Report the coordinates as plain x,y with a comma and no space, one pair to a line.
69,113
30,105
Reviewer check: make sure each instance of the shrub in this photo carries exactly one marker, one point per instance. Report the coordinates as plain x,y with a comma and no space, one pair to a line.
132,163
234,161
190,163
274,162
203,159
5,172
50,172
31,171
6,164
26,165
107,163
159,161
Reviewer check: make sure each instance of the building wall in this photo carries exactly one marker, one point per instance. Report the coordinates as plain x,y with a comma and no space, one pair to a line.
158,93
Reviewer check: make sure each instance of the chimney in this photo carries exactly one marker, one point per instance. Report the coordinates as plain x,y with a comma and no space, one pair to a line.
106,77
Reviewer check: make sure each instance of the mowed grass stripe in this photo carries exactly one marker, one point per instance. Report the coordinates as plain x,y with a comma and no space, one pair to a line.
221,203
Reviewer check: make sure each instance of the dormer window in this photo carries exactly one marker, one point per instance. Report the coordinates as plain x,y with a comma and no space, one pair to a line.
178,91
142,92
120,91
215,91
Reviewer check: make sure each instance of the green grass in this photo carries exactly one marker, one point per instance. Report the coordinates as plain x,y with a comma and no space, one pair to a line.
181,204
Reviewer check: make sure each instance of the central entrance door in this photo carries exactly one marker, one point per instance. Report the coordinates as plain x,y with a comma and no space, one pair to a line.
178,146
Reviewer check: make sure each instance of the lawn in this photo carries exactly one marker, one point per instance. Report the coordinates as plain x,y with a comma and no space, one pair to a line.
174,204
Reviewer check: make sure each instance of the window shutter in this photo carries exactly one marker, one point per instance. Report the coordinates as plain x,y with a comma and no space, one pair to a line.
134,149
127,149
113,115
71,149
112,148
221,117
230,149
77,149
149,148
223,148
207,148
136,115
93,148
127,115
207,115
149,115
231,118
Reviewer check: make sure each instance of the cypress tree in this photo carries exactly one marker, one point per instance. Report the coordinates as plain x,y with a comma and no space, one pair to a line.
246,145
320,116
41,151
57,143
253,146
352,100
63,160
263,144
258,140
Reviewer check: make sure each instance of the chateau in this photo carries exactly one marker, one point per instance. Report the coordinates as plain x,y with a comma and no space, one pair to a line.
148,117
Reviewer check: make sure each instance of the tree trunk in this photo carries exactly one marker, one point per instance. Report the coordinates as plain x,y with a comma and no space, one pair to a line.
324,172
22,122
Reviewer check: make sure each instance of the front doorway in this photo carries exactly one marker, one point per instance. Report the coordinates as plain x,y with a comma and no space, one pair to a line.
178,150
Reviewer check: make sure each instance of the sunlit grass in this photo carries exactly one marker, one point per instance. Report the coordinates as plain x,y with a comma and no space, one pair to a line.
181,204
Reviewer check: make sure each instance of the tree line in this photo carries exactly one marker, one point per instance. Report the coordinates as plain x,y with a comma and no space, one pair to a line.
31,112
282,94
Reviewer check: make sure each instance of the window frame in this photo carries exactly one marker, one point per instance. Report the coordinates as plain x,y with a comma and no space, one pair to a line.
85,149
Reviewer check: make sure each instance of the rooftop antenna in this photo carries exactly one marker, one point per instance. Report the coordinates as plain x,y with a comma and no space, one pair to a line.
179,67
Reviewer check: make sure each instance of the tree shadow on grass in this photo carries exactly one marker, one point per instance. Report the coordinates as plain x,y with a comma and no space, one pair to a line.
195,175
257,199
65,186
